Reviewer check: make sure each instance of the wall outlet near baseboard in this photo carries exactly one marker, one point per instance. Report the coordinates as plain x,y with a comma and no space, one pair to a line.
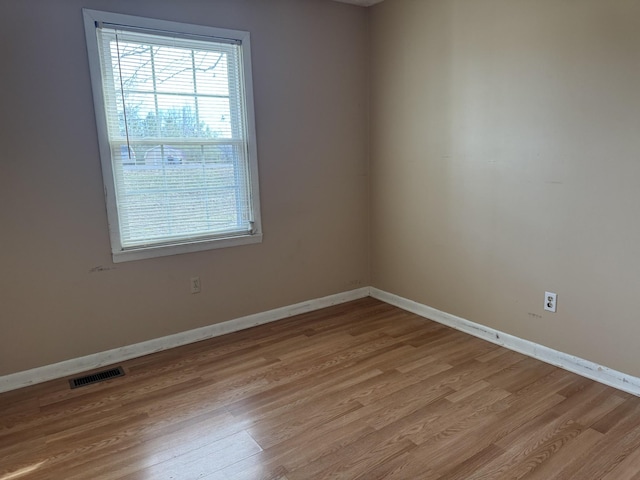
195,284
550,301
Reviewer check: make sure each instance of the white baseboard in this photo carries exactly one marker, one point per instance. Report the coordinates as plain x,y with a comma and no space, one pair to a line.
97,360
585,368
568,362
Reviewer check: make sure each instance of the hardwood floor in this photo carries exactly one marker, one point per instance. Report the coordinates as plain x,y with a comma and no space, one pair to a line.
360,390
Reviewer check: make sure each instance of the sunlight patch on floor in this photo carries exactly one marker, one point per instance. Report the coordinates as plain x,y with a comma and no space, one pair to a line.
21,472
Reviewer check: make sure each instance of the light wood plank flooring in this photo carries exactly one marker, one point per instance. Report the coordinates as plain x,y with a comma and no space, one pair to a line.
360,390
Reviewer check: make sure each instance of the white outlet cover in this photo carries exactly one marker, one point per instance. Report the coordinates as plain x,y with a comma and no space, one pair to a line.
550,301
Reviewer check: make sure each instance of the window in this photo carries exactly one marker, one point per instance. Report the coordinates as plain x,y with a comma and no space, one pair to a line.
174,109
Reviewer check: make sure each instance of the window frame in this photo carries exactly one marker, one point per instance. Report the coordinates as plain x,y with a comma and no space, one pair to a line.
119,253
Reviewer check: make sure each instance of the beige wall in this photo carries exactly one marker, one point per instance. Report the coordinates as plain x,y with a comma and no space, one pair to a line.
506,162
309,63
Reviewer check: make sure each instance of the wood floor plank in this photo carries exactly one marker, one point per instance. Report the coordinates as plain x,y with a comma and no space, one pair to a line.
566,460
628,469
361,390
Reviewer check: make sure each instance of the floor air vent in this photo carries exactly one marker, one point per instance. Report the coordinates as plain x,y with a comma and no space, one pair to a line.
96,377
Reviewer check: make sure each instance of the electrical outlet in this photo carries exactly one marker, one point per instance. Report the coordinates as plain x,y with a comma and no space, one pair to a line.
550,301
195,284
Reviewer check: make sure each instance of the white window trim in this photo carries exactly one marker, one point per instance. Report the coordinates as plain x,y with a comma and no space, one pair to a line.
91,17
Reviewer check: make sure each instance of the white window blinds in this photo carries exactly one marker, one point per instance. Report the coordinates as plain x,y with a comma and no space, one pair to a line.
177,131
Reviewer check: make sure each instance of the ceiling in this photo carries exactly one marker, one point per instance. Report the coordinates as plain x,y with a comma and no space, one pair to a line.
362,3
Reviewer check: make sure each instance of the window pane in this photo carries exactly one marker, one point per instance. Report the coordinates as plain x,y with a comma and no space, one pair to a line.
211,73
173,69
163,200
133,62
215,113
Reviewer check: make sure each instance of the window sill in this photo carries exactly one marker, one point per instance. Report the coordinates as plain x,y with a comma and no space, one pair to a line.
167,250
